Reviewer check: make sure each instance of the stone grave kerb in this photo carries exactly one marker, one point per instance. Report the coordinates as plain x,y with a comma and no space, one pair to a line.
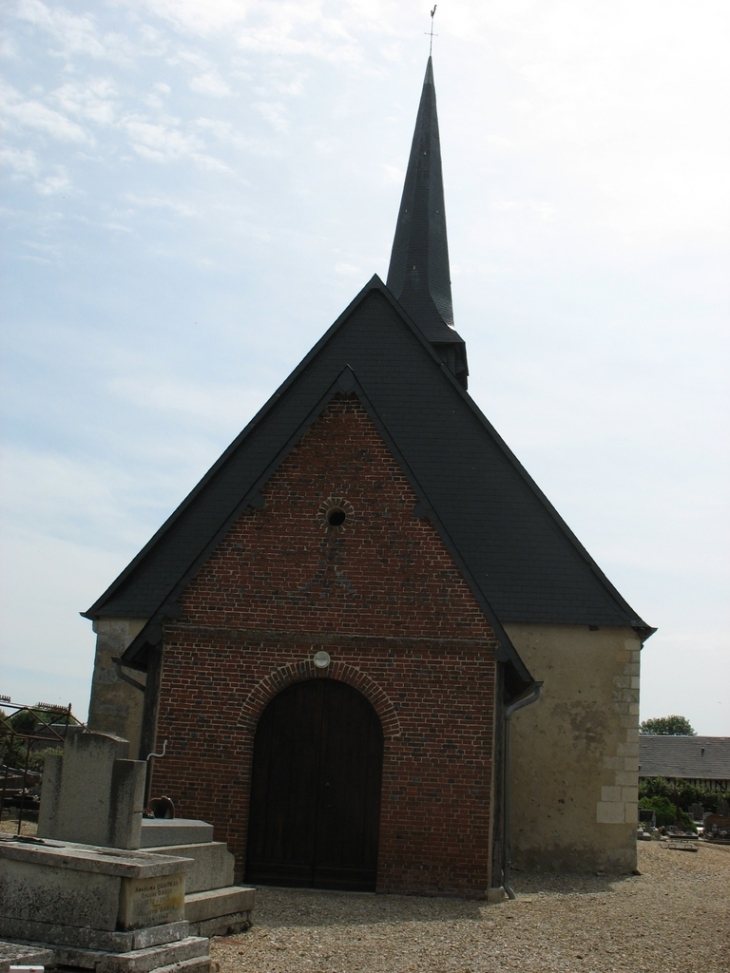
93,794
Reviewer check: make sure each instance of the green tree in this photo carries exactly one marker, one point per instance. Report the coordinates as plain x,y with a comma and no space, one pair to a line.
681,794
669,726
668,813
24,721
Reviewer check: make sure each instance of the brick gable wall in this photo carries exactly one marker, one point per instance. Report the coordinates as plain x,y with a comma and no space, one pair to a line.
383,596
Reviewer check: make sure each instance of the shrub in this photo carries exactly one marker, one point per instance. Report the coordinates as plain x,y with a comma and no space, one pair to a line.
680,793
666,812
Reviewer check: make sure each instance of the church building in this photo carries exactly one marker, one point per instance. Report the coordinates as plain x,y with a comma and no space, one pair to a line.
379,657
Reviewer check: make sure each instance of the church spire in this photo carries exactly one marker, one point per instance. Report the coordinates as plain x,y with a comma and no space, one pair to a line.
419,264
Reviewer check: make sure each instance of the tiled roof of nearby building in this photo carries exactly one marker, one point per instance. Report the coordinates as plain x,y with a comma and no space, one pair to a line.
691,758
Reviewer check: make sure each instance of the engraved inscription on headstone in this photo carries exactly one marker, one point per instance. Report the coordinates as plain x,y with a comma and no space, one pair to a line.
151,901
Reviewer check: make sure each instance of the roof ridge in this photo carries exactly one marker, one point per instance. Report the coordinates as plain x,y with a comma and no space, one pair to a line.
250,451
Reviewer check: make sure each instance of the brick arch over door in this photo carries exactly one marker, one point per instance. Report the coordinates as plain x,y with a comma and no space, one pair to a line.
262,694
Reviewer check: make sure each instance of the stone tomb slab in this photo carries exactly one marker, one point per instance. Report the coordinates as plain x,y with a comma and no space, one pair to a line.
151,901
157,832
67,884
14,954
212,866
82,937
137,961
201,906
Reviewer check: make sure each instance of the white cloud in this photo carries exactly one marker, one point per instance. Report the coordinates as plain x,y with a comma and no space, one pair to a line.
348,270
284,28
58,182
205,17
161,141
95,99
177,206
210,83
80,35
173,396
67,492
34,114
230,134
542,208
164,142
8,47
393,174
274,112
23,161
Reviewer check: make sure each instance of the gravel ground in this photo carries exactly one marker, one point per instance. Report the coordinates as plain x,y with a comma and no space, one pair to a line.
672,918
10,826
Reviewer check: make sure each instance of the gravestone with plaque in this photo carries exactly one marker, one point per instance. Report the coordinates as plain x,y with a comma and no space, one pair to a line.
83,887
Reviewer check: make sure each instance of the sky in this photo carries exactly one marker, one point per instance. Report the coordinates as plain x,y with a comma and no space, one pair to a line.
193,190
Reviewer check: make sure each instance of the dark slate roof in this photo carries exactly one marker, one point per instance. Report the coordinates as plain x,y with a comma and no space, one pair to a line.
419,273
687,757
521,559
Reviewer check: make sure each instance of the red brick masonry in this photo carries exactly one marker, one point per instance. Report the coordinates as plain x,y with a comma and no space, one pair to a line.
383,596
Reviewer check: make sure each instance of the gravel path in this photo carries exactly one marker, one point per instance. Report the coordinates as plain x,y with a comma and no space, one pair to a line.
11,827
673,918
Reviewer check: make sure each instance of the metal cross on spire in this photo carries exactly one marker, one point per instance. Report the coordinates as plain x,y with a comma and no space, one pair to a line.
431,33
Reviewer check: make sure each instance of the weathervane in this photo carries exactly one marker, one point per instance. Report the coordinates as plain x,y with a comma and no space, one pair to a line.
430,33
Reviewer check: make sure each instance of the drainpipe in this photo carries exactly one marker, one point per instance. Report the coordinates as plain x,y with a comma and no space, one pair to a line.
531,695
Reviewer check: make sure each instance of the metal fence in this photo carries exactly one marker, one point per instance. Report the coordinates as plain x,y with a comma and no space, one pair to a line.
25,730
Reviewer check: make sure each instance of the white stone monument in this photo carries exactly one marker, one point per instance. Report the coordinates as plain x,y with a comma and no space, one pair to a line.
93,794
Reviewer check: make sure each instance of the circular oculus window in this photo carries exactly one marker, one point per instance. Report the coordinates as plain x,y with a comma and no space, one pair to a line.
336,511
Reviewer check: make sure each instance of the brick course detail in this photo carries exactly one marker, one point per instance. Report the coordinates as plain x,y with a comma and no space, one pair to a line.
383,596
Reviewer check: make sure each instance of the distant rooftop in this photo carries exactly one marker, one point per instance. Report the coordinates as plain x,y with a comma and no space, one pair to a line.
687,757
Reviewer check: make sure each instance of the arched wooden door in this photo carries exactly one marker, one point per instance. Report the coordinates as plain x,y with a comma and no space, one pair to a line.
315,790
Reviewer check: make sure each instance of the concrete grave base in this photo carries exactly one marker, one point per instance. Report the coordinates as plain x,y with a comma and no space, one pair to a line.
163,832
213,905
137,960
212,864
100,909
104,889
223,925
220,912
15,954
82,937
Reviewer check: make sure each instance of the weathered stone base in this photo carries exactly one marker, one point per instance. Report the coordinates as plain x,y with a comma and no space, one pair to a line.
163,832
211,864
213,905
201,965
83,937
222,925
15,954
106,889
104,910
614,861
220,912
193,948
